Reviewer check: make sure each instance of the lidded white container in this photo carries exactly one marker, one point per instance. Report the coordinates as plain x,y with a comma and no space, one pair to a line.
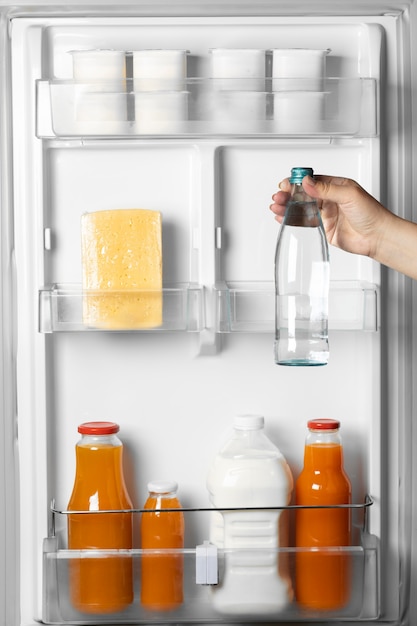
298,69
241,69
250,471
99,66
159,70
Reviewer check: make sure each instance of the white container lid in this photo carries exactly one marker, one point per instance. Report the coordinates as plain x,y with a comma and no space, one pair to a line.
249,422
162,486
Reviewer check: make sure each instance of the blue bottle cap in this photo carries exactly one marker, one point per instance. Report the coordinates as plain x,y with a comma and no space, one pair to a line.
298,173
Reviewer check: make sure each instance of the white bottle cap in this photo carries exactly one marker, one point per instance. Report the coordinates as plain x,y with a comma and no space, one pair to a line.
248,422
162,486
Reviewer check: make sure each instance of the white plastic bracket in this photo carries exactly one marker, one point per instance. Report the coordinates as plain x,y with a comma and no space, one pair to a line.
206,565
47,239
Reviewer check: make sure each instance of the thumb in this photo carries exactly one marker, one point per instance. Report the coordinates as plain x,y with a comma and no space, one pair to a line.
337,190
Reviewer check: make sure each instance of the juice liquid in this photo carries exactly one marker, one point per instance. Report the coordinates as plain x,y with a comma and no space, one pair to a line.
322,576
162,573
103,584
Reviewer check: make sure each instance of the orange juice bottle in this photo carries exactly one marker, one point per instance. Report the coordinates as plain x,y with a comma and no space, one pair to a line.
322,576
100,584
162,571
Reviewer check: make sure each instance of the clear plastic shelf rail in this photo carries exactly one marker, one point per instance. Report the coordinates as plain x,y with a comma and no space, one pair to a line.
204,570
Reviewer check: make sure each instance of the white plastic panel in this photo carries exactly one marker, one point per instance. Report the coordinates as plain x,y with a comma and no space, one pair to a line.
107,176
249,175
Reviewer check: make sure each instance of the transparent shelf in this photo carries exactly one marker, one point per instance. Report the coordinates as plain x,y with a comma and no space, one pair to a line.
69,308
203,570
208,107
238,307
250,306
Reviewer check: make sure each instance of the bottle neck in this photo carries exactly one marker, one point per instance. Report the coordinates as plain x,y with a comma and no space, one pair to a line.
164,496
167,500
98,441
302,209
99,481
248,435
323,450
249,443
298,194
99,456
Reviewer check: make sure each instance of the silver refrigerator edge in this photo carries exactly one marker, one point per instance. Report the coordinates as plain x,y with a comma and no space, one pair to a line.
211,173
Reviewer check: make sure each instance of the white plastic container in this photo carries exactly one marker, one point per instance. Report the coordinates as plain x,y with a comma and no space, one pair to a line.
98,97
99,113
159,70
299,111
160,111
247,106
99,67
250,471
298,69
238,69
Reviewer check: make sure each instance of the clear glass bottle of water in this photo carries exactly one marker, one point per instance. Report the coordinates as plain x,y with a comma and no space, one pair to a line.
301,281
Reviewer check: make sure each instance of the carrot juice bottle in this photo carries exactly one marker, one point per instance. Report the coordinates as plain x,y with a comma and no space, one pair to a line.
322,576
103,584
161,531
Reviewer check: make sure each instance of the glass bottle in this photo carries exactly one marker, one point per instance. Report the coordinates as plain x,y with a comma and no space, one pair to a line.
301,281
162,531
322,576
103,584
250,471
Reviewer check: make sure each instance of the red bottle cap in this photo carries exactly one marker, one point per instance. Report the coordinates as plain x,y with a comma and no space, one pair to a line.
98,428
323,424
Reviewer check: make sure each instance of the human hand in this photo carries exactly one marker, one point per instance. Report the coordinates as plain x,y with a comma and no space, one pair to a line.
353,219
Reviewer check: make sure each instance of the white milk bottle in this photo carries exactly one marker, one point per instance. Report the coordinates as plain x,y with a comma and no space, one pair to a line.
250,471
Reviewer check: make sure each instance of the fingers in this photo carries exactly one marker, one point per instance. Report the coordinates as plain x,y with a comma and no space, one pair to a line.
285,185
333,188
280,199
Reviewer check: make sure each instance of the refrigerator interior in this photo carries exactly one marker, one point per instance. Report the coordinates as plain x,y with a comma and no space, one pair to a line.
174,391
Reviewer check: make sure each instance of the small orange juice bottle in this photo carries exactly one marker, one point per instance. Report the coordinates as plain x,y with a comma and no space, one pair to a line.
322,576
162,531
102,584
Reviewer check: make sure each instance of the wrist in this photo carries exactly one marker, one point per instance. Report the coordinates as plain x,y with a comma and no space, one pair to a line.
385,237
396,245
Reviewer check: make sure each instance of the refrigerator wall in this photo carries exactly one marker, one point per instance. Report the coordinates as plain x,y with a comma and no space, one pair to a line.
175,391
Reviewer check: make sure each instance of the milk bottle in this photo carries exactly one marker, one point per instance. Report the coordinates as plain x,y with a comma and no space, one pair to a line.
250,471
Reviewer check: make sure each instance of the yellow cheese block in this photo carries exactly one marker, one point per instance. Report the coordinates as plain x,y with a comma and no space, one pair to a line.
122,269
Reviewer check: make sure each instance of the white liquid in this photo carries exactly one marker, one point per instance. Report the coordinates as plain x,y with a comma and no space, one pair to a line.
254,577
